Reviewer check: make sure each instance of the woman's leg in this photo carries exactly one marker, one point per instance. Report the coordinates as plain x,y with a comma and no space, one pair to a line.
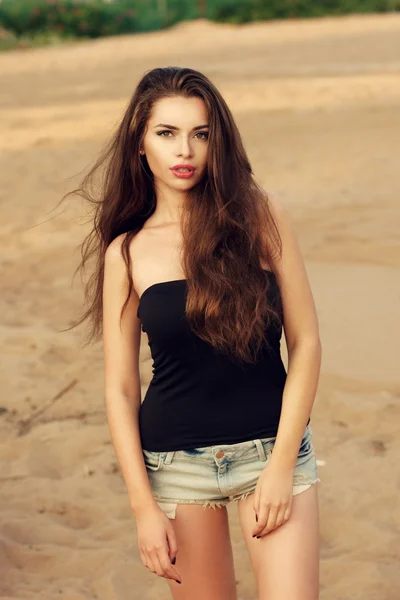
204,559
286,560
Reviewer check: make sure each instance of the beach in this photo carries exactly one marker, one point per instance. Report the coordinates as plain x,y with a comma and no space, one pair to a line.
316,104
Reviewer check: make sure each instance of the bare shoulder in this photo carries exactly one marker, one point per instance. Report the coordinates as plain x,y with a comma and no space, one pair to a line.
114,259
300,316
273,220
113,252
137,245
116,279
276,205
121,329
281,215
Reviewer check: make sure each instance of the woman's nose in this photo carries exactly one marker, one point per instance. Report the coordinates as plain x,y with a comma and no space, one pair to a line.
184,147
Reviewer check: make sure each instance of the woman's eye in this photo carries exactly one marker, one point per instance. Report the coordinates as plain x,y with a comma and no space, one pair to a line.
203,133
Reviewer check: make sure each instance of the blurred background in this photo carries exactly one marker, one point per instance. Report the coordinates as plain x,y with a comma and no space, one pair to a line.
315,90
36,22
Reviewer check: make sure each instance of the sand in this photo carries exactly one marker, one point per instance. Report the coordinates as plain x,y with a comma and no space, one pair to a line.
316,102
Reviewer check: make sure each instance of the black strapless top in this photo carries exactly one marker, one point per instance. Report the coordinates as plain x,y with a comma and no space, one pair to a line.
197,396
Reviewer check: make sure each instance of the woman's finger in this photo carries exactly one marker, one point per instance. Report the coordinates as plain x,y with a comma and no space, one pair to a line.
256,504
149,561
156,562
288,512
262,519
280,517
168,569
172,543
270,524
143,558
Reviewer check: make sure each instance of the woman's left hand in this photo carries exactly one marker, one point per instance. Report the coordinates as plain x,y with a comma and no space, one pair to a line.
272,499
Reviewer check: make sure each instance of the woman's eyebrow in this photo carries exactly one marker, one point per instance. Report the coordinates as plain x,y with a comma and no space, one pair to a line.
177,128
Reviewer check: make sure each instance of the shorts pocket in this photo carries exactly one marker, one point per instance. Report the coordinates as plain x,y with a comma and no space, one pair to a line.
152,460
306,445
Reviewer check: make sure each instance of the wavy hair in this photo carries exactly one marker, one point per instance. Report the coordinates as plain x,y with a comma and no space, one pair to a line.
227,226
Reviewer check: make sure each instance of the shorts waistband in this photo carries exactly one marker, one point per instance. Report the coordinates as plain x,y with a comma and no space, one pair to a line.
167,457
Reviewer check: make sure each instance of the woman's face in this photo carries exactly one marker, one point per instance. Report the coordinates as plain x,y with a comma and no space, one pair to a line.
177,134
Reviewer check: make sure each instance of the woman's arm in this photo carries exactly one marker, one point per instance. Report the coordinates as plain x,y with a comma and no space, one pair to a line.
302,339
157,541
122,378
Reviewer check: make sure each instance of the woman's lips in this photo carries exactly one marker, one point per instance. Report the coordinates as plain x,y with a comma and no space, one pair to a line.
183,174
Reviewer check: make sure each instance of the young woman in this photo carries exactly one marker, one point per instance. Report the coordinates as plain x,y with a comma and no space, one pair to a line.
191,250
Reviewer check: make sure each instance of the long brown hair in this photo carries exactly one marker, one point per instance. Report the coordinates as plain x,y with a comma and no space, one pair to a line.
227,227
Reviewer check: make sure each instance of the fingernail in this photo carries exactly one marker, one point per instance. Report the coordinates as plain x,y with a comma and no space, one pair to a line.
178,581
258,537
173,561
256,517
254,535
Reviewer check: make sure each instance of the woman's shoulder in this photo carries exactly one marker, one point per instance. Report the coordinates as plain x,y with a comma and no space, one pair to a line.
274,202
113,251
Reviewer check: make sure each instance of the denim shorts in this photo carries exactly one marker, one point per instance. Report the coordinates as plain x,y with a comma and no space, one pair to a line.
215,475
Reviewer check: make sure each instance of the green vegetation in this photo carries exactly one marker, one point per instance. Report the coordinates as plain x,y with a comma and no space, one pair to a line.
244,11
37,22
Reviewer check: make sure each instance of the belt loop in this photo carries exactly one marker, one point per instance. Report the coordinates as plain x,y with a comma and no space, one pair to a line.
260,450
168,457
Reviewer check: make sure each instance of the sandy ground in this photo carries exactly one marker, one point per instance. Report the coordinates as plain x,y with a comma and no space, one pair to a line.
316,102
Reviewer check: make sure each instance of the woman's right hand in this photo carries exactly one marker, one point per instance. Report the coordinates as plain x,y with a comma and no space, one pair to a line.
157,542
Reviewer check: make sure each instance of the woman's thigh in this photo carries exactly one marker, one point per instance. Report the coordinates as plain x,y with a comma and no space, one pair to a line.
204,559
286,560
